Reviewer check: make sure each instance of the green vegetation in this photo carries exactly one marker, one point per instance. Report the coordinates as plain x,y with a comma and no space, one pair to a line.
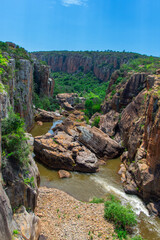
147,64
17,52
92,105
13,139
86,85
29,181
137,238
16,232
123,217
44,102
96,122
3,63
97,200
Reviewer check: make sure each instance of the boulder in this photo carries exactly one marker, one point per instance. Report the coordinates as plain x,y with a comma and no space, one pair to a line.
64,174
99,142
39,123
28,225
46,116
67,106
61,151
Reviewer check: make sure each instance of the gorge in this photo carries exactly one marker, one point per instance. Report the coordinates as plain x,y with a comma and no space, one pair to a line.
129,124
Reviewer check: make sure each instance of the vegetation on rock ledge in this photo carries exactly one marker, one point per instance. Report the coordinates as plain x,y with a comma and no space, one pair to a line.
14,145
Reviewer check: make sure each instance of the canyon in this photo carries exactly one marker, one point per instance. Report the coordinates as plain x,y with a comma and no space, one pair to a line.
129,127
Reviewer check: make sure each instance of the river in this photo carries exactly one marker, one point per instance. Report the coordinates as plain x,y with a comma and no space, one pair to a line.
84,187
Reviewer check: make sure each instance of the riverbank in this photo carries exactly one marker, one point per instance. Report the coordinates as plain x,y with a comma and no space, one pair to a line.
64,217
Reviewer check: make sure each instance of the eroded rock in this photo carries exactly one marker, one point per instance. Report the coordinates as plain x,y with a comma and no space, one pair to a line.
99,142
61,151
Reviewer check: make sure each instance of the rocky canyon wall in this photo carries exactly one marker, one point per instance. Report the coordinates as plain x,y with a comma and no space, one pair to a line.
134,114
102,64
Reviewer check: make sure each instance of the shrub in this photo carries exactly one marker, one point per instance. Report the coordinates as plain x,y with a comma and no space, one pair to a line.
46,103
96,122
123,217
13,138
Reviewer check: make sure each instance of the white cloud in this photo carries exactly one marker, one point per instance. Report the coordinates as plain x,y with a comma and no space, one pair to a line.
68,3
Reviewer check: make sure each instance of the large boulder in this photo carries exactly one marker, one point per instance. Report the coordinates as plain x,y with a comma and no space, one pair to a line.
61,151
28,225
99,142
46,116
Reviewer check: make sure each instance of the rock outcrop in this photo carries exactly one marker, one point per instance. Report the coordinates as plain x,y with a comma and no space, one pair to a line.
139,128
61,151
6,226
99,142
44,83
125,92
46,116
109,123
70,101
18,78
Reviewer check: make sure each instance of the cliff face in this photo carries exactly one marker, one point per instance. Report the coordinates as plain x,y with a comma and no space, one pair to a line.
20,89
125,92
102,64
20,182
44,83
139,129
19,77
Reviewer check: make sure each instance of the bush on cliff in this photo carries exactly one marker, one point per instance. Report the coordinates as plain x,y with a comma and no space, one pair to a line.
14,144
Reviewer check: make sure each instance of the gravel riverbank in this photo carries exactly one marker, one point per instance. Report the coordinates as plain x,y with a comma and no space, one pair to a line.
65,218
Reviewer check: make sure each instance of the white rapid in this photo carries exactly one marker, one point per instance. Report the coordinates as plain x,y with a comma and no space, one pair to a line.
136,204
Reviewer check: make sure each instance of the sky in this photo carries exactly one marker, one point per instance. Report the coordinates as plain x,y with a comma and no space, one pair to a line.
43,25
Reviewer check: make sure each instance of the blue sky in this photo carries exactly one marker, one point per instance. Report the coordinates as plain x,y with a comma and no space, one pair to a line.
130,25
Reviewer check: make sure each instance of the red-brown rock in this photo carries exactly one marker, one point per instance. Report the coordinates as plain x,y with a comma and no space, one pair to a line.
64,174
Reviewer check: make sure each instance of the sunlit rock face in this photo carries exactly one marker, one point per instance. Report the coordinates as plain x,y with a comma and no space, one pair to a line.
101,64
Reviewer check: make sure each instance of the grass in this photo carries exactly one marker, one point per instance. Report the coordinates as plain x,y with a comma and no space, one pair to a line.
97,200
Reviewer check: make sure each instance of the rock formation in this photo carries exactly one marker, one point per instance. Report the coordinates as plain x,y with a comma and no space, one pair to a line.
70,101
44,83
101,64
19,77
136,101
74,145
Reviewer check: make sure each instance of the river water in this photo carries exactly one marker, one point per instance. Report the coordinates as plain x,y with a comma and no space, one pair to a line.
84,187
